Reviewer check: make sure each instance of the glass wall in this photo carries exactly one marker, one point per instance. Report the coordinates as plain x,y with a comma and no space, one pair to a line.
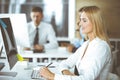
55,12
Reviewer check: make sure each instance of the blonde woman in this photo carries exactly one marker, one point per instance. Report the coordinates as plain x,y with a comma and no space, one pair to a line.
92,61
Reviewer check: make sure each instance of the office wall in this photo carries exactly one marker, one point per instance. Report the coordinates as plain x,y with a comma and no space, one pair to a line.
111,12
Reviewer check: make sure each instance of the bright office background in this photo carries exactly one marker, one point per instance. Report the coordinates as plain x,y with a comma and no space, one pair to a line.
60,13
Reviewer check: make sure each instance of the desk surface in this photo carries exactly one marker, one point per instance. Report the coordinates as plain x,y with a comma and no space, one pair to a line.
22,72
60,52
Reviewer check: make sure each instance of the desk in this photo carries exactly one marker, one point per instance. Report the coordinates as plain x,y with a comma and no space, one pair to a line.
22,73
21,67
60,52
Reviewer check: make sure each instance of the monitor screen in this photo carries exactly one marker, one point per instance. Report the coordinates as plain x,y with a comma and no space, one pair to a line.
9,41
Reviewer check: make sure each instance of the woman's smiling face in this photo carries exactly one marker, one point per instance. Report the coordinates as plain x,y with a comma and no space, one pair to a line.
85,24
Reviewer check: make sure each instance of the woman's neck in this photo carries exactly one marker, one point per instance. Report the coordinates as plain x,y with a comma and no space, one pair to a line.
91,36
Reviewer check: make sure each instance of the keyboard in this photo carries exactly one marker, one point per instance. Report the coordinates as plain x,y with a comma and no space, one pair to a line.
35,74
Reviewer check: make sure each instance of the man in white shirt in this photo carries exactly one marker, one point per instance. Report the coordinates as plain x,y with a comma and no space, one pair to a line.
46,33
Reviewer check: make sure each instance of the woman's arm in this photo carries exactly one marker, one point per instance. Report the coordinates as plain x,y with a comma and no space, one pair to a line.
67,72
91,66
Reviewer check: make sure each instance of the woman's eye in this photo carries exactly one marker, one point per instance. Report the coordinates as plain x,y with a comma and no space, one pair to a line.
84,21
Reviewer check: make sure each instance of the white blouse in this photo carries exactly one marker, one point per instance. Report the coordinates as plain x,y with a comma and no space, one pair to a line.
95,65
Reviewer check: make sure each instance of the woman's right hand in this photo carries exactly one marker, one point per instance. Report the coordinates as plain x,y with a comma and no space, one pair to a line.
46,73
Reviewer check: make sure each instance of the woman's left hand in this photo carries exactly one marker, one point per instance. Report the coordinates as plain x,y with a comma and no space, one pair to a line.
46,73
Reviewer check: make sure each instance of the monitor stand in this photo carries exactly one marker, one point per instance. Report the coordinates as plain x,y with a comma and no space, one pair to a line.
13,74
1,66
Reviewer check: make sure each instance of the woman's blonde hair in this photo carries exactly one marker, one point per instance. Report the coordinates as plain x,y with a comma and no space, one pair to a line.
95,16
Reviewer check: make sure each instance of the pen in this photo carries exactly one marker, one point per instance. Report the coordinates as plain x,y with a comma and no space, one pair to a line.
49,64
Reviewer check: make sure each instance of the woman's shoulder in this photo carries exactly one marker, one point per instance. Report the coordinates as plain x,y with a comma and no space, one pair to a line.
101,43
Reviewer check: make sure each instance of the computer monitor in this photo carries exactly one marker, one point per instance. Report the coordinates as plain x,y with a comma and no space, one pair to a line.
19,26
9,41
9,45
